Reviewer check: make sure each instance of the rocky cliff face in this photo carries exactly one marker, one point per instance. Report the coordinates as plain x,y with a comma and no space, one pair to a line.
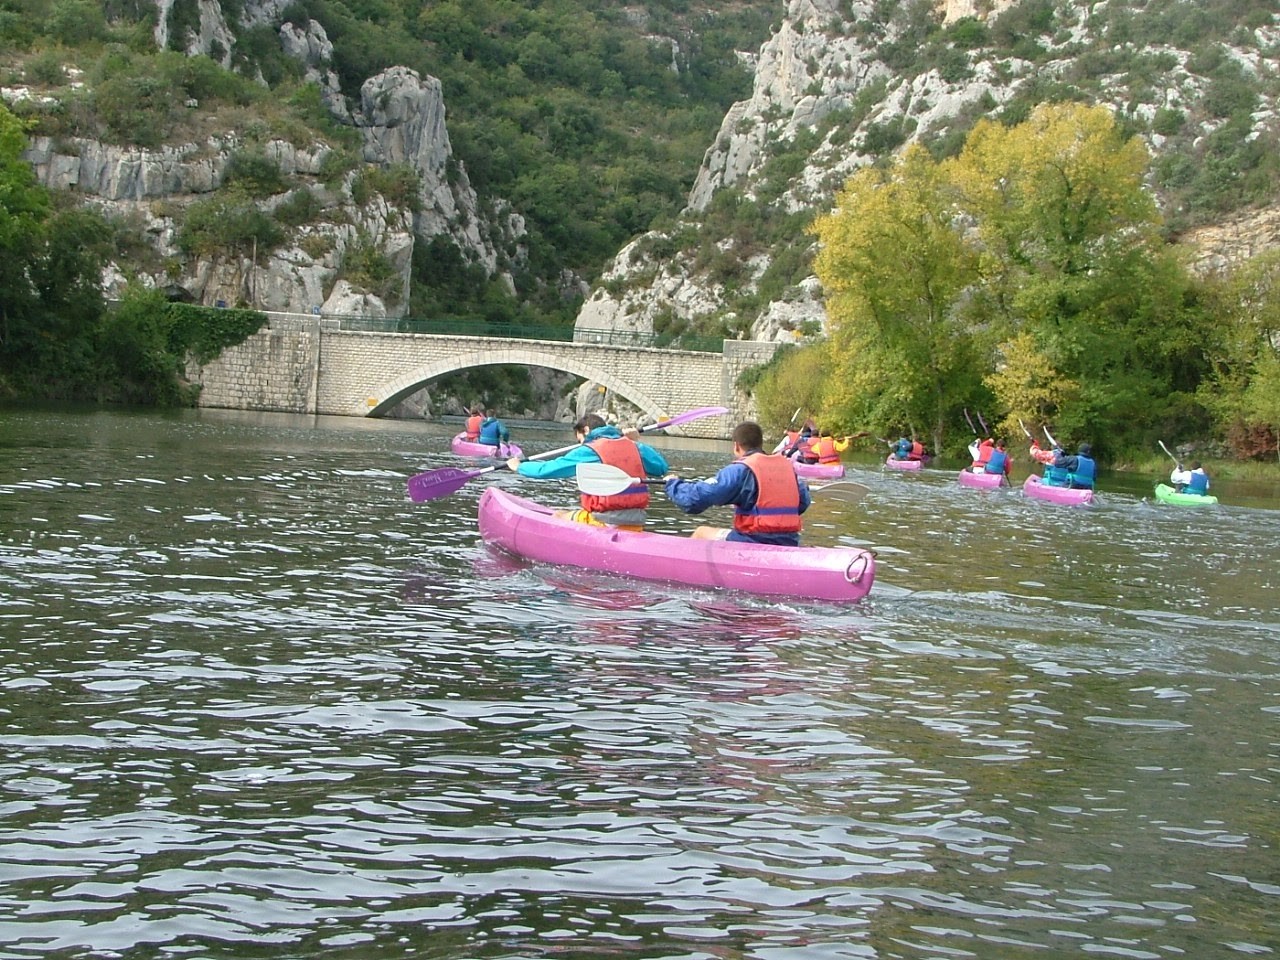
823,67
401,119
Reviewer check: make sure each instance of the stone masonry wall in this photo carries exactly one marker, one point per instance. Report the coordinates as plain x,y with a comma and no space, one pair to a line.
307,365
274,369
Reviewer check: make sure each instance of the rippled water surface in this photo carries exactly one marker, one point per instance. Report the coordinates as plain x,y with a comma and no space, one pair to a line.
254,702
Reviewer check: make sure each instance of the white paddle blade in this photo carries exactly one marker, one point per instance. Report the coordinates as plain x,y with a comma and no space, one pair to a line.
602,480
846,491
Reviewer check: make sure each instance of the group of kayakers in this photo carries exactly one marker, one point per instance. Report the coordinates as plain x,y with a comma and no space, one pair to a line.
1076,471
809,445
767,496
991,456
483,427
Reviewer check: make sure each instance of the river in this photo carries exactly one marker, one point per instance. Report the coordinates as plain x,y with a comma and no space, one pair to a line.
255,703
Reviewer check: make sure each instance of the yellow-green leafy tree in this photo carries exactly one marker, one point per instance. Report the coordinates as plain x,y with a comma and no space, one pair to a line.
1071,253
1243,390
793,388
894,266
1028,387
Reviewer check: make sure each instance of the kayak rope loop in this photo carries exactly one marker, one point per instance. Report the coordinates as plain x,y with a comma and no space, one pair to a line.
858,566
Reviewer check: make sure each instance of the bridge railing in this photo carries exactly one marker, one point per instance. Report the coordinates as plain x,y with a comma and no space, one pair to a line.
565,334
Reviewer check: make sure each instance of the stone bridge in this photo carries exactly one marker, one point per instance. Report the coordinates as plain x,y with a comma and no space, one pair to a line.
312,365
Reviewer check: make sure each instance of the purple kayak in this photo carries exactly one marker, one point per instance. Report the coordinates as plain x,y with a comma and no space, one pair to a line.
469,448
818,471
1070,496
532,531
984,481
893,463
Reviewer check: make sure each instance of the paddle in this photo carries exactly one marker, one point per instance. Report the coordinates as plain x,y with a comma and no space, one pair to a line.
970,422
1051,438
1025,430
986,432
603,480
1176,462
434,484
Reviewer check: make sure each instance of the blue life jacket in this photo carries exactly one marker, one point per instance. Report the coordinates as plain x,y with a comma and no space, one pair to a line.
1198,484
996,462
491,432
902,449
1056,476
1084,472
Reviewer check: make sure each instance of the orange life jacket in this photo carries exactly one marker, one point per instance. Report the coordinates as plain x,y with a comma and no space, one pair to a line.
777,508
825,450
917,451
984,453
473,427
622,453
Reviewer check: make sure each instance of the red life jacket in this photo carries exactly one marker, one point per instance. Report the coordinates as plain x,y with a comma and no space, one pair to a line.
825,450
984,453
622,453
917,451
473,427
777,508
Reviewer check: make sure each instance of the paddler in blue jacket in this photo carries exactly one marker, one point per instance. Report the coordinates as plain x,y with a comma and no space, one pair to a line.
1079,468
602,443
767,496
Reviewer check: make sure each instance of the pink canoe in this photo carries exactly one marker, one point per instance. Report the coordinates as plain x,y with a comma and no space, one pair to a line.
532,531
818,471
893,463
984,481
469,448
1071,496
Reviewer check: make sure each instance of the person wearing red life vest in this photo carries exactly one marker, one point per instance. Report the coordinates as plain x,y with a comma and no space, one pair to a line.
474,420
825,449
602,443
984,454
763,489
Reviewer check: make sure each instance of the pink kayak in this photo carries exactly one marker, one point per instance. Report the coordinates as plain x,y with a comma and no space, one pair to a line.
984,481
469,448
893,463
1071,496
818,471
532,531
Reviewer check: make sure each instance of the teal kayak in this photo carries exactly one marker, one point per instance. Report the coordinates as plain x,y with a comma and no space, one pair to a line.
1166,494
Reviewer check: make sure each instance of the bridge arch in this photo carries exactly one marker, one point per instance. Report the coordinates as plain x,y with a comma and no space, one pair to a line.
386,396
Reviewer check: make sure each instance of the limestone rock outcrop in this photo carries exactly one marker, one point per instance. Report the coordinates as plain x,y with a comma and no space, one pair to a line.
401,118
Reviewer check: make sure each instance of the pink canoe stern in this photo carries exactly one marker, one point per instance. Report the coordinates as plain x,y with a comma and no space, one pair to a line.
818,471
983,481
895,464
530,530
463,447
1035,487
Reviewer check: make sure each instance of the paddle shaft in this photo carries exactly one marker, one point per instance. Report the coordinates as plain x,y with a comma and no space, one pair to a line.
1176,462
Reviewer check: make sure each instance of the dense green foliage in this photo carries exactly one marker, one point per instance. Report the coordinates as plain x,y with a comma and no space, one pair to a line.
582,116
1028,277
57,338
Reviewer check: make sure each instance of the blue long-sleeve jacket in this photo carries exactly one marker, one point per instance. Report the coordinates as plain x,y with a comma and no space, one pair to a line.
493,432
566,466
734,484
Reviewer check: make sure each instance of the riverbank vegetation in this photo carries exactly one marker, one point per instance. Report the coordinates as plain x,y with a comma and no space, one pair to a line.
1028,277
58,339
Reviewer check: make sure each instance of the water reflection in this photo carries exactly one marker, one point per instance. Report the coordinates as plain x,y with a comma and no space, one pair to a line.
252,699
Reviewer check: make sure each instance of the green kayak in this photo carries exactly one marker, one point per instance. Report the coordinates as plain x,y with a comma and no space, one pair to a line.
1166,494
